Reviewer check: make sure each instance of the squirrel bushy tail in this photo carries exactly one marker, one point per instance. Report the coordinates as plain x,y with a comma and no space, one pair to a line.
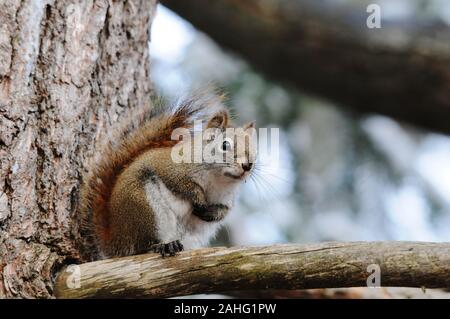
139,132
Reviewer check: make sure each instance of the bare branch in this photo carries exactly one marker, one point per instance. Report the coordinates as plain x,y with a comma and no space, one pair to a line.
331,265
400,70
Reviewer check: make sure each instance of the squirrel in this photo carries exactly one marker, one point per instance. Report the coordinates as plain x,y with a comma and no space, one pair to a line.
137,199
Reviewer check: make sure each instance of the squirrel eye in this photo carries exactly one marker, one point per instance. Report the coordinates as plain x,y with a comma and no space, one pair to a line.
226,145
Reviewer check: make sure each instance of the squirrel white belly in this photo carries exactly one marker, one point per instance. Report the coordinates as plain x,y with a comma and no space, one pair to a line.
174,219
138,199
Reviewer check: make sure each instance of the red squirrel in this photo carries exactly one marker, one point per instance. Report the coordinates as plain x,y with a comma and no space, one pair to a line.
137,199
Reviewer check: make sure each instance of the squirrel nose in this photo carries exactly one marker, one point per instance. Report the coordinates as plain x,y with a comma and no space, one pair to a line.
247,166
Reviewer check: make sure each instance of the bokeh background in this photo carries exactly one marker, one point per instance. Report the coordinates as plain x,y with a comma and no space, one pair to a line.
341,176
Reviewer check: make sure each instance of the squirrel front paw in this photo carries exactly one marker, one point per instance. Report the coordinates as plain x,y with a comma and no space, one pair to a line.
211,212
169,249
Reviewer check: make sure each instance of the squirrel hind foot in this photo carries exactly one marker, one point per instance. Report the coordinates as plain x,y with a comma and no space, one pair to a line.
168,249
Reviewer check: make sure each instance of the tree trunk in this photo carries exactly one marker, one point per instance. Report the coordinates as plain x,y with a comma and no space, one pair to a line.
401,70
68,71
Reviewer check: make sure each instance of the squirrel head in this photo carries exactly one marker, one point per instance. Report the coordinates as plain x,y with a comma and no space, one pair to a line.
232,149
211,146
225,152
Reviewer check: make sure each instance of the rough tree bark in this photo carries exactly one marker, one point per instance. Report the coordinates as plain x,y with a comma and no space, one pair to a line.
68,71
326,49
401,264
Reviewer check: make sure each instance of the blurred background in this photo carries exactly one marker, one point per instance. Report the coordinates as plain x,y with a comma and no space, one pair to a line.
342,175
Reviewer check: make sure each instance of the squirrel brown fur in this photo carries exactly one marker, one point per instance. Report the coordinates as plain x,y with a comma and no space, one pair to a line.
137,199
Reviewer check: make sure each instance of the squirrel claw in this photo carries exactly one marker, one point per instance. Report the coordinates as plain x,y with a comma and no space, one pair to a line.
168,249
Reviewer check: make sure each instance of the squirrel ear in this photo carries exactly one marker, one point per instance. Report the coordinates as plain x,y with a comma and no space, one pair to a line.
249,125
219,120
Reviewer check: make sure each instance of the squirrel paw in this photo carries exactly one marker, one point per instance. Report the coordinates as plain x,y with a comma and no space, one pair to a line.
169,249
211,212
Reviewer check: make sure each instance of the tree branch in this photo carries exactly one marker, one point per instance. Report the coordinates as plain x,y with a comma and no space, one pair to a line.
401,70
331,265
